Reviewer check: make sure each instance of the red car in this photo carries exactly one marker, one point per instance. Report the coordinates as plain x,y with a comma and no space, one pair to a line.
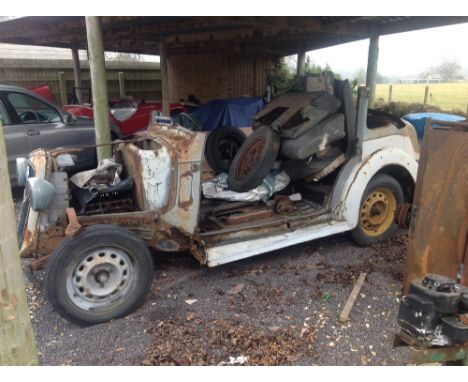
128,115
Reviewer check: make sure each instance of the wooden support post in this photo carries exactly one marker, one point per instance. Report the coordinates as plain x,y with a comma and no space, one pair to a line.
122,84
372,63
426,94
99,86
390,91
164,77
77,74
63,88
352,298
17,345
301,58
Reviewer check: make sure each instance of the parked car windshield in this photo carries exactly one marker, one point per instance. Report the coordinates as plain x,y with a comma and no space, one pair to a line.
32,110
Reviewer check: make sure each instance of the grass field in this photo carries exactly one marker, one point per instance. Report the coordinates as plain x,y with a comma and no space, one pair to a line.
448,96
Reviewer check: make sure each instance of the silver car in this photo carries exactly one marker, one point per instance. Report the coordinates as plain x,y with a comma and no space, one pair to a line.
31,122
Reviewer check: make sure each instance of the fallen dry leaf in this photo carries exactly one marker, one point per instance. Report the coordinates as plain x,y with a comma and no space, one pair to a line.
216,341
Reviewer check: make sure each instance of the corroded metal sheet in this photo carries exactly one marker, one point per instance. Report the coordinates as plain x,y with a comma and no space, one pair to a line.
439,224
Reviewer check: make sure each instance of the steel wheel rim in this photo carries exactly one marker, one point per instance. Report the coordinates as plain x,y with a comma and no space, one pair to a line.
250,157
377,212
101,278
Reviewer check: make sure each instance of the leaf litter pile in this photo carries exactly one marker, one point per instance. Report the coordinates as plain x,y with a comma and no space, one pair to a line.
199,340
228,342
389,258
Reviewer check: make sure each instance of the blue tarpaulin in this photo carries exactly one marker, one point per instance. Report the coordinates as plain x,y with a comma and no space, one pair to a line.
237,112
418,120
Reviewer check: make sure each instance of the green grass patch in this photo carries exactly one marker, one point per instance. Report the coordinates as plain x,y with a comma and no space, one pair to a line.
448,96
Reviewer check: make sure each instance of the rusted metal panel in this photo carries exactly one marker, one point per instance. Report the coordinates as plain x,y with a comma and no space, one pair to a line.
38,160
439,225
165,163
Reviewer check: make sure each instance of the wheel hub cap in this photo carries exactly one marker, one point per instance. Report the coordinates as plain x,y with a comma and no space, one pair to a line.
100,278
377,212
250,157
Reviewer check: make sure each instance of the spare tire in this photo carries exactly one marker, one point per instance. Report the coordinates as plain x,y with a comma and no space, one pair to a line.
221,147
254,159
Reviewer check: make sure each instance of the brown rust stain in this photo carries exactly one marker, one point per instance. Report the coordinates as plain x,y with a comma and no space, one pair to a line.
27,236
439,222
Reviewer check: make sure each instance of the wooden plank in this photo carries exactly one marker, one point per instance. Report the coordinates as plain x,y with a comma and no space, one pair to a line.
352,298
17,344
426,94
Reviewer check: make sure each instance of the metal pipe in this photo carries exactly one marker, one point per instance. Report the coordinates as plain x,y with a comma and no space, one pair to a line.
362,107
372,63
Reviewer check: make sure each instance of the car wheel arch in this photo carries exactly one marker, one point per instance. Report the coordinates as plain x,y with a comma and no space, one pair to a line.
357,174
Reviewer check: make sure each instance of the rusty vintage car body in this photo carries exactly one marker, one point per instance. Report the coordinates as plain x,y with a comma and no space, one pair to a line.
167,211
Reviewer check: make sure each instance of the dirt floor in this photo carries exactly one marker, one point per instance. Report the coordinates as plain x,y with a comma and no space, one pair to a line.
280,308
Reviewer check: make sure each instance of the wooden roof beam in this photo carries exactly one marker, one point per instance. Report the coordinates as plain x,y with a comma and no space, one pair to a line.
420,22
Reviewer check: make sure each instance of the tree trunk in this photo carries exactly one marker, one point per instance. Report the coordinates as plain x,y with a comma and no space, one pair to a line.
17,345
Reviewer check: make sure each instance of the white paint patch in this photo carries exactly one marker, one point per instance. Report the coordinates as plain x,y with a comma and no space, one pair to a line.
156,171
325,140
227,253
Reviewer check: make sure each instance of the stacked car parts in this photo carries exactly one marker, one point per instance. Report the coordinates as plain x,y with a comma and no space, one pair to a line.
301,130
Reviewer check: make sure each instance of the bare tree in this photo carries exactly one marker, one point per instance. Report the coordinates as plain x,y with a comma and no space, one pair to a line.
448,70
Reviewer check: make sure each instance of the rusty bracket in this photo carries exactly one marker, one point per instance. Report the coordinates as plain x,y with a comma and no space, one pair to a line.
73,227
198,253
464,318
284,204
403,215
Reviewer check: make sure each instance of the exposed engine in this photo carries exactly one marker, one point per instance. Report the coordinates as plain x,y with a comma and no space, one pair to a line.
435,311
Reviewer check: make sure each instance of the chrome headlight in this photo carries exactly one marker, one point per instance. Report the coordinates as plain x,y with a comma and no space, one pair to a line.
40,193
21,171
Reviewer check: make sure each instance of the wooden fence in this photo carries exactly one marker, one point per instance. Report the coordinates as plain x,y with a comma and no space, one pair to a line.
141,80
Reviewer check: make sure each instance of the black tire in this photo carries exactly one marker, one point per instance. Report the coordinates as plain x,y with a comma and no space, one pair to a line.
96,242
360,235
254,159
222,146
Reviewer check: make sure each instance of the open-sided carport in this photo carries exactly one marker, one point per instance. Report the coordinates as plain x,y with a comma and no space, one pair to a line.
186,46
211,57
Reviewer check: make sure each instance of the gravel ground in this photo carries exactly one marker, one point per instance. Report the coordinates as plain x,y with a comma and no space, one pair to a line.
277,308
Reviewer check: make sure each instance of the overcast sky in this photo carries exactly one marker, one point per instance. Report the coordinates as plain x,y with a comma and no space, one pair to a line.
407,53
